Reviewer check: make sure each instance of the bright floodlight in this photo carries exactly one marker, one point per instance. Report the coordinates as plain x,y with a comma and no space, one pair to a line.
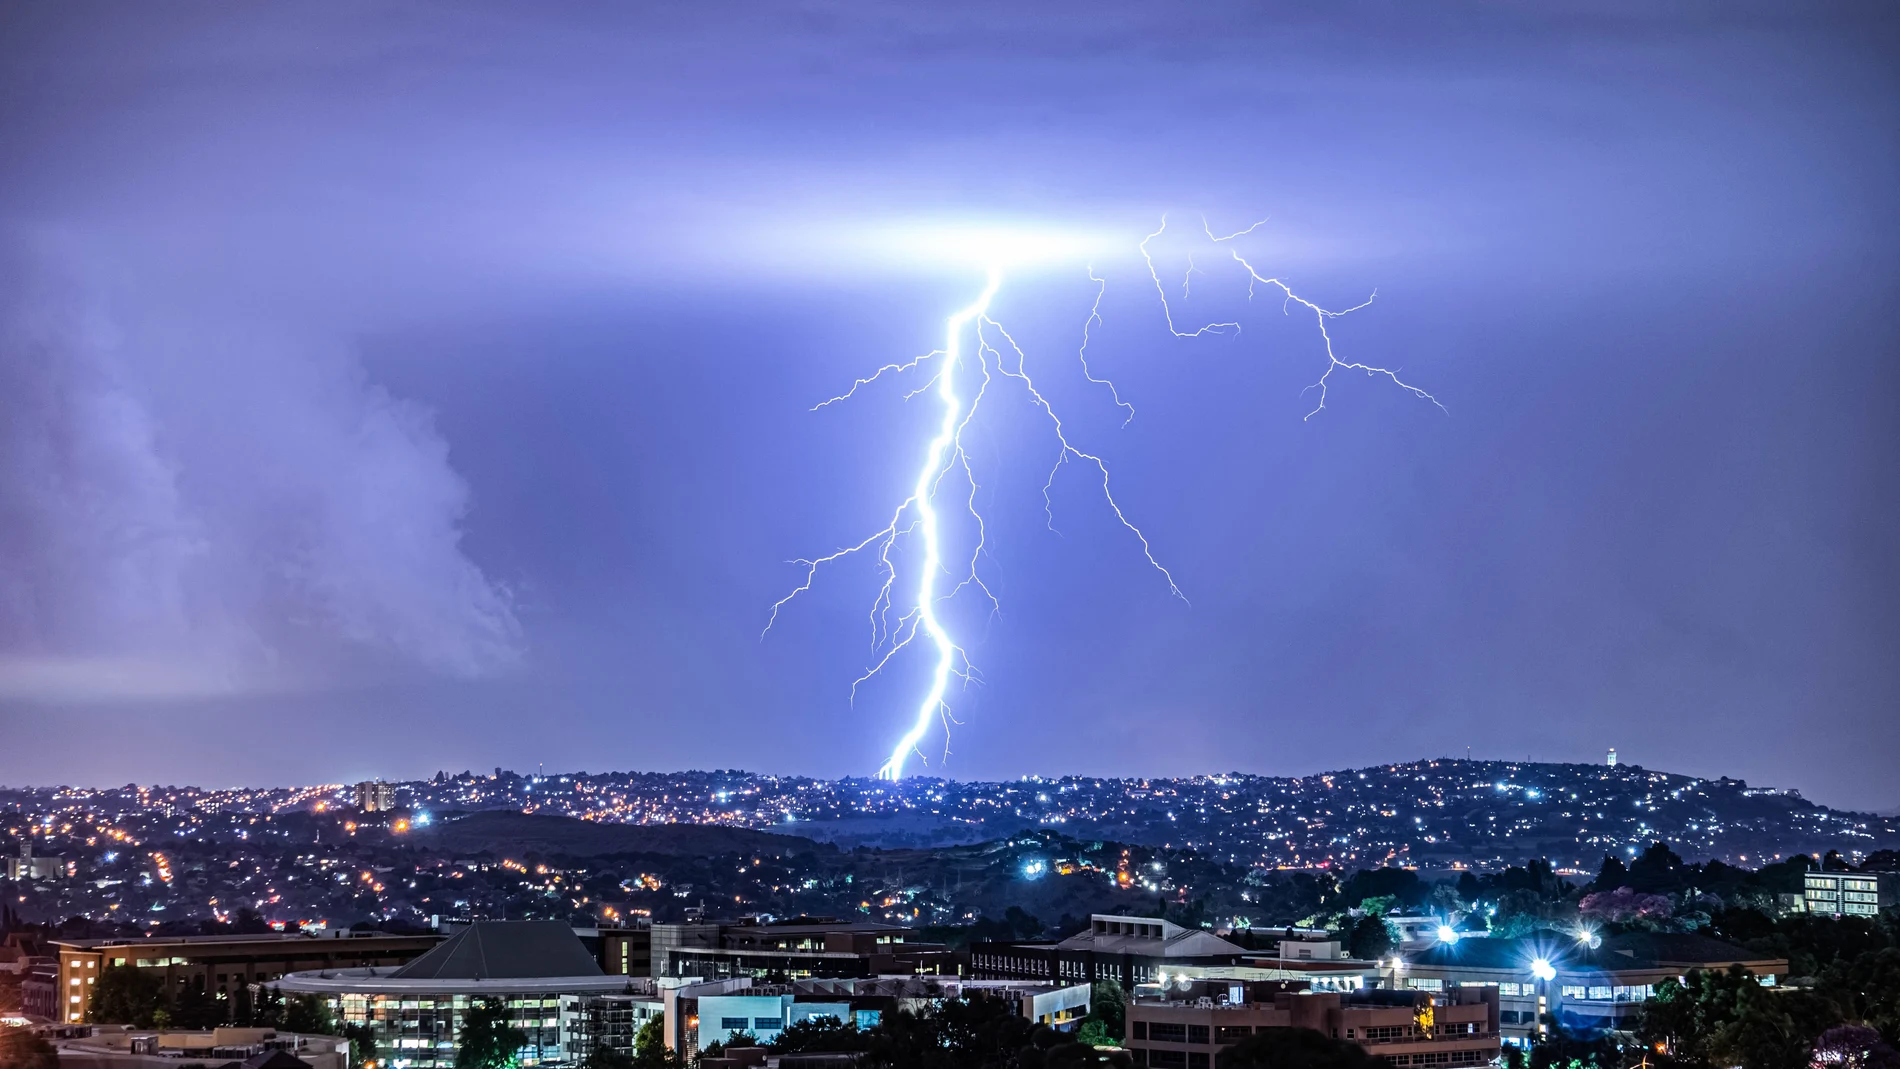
1543,970
1446,934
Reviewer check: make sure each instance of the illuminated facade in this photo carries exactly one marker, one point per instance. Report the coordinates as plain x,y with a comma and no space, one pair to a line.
538,970
1853,894
1183,1026
222,964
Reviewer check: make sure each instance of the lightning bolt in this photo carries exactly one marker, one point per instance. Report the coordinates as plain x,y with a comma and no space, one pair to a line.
990,353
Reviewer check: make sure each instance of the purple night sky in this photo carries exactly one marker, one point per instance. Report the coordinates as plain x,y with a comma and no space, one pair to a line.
393,388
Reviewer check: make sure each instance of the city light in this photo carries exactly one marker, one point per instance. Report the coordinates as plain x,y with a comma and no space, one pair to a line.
1543,970
1447,934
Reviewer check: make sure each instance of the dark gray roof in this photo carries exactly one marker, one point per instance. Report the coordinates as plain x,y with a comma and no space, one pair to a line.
501,950
273,1059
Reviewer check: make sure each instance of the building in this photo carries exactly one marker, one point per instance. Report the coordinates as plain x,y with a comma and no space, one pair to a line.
231,1048
698,1015
375,796
28,867
1182,1025
1128,950
1851,894
1583,985
796,949
1611,759
627,951
538,970
223,963
613,1022
39,991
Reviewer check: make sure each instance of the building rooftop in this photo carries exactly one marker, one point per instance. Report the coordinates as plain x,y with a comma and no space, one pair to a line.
1148,936
488,950
215,940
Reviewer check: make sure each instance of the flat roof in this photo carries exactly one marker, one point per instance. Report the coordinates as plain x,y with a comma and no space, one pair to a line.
224,940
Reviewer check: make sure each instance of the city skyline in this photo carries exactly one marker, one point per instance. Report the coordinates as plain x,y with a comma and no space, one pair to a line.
385,392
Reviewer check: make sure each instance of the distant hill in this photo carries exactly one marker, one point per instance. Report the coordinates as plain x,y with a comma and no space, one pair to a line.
511,833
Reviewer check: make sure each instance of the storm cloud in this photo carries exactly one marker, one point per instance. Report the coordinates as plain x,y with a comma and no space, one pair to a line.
200,512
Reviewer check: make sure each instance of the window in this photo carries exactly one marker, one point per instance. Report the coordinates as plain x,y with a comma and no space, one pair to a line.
1197,1034
768,1022
1167,1033
1141,1030
1167,1059
1599,993
734,1024
1572,991
1197,1059
1233,1033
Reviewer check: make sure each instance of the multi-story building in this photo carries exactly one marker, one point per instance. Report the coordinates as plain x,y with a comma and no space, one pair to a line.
1572,982
223,963
28,867
1127,950
613,1022
797,949
1183,1025
39,991
375,796
698,1015
1851,894
538,970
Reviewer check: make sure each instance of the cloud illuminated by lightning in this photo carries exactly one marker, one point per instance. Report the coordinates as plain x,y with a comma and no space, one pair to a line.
976,344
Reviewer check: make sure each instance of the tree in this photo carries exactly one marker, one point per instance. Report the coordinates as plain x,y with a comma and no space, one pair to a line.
487,1040
127,995
196,1008
1728,1019
1370,938
362,1044
1398,885
650,1050
309,1015
1294,1048
1108,1011
1611,875
1855,1047
1657,871
818,1034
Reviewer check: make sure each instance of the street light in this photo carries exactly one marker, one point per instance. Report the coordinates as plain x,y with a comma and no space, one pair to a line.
1543,970
1447,934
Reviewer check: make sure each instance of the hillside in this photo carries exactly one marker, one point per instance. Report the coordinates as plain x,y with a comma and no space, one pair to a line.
513,834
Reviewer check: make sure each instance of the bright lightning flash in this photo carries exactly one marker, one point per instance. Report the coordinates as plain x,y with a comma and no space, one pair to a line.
917,514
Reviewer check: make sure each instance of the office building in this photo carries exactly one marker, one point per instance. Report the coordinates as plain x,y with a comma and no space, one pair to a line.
1128,950
538,970
1580,985
796,949
700,1014
375,796
28,867
1850,894
1182,1025
223,963
230,1048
